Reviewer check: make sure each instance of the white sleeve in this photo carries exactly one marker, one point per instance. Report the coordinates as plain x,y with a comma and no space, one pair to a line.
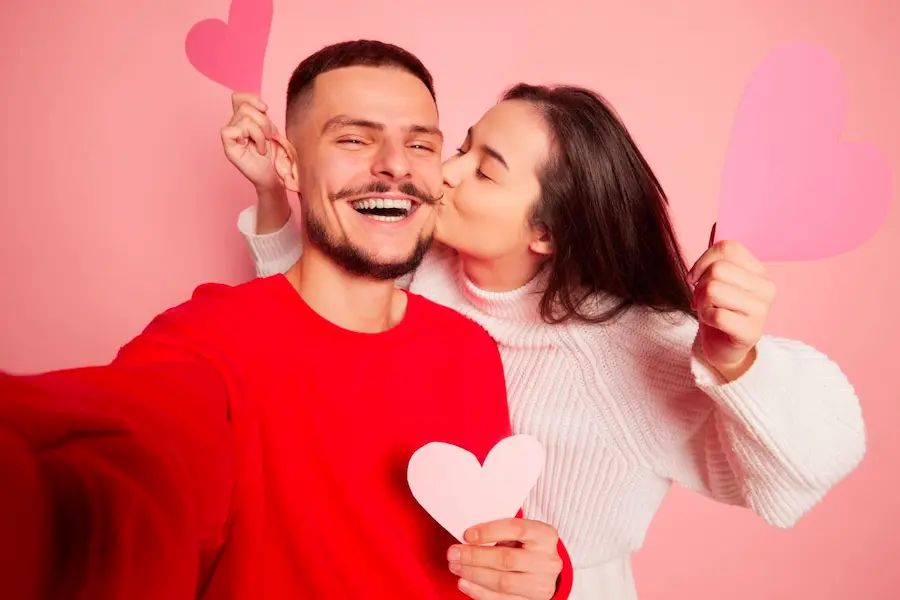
273,253
775,441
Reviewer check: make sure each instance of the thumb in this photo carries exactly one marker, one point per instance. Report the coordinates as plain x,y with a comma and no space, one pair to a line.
712,236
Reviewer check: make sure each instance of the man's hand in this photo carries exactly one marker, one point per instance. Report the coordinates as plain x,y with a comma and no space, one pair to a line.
524,565
246,141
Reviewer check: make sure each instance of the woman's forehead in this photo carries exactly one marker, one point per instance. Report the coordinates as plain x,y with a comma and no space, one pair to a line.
516,130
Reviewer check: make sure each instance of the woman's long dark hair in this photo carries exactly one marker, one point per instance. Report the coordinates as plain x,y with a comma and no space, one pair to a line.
604,211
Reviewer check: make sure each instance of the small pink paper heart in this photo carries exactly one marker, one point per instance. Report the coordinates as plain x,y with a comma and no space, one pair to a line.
458,492
791,188
233,53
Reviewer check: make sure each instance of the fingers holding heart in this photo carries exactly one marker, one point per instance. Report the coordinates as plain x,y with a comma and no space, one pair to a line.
249,113
239,98
529,533
729,286
734,300
526,567
477,592
729,251
253,125
488,573
502,559
245,133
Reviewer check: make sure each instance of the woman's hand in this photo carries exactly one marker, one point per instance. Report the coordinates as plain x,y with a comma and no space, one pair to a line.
732,297
525,563
246,141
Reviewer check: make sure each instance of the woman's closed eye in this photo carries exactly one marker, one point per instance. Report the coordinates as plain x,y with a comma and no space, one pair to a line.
478,172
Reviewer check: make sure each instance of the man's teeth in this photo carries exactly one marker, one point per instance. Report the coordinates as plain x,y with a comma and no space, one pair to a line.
383,203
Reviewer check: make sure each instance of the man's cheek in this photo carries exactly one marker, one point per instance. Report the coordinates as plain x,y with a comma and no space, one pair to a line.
433,178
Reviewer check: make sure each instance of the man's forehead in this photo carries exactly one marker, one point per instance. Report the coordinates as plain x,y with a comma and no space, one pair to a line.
385,96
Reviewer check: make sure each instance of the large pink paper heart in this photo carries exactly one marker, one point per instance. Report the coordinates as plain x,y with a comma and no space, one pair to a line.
459,492
791,188
233,53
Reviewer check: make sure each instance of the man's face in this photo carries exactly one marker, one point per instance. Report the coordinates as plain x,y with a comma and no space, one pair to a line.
369,168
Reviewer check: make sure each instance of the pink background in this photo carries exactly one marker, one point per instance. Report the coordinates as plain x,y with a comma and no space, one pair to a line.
118,201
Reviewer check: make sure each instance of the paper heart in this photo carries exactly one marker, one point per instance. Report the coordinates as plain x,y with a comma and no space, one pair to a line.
791,188
459,492
233,53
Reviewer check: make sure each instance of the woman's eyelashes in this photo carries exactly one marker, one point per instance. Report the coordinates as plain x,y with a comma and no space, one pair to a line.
478,172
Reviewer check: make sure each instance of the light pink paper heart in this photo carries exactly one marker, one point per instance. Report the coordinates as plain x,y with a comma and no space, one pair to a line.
459,492
233,53
792,189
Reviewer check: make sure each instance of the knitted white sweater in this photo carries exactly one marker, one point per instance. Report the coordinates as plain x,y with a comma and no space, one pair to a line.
624,409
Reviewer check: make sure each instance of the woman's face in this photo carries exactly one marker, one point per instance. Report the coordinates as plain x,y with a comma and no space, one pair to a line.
490,187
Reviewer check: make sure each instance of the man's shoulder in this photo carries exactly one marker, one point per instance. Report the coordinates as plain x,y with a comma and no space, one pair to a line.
219,307
214,298
219,320
448,323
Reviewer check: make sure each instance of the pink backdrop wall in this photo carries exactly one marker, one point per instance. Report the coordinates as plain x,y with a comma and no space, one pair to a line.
117,201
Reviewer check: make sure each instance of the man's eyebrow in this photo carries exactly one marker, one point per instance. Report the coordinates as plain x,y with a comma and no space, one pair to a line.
340,121
427,130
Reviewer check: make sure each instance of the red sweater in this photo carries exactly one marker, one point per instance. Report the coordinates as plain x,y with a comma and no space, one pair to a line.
243,447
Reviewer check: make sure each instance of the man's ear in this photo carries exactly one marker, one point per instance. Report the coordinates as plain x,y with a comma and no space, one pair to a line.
285,162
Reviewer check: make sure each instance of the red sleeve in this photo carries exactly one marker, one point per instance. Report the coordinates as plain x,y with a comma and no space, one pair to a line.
116,480
566,576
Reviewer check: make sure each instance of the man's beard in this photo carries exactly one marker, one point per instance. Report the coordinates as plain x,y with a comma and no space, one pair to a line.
356,260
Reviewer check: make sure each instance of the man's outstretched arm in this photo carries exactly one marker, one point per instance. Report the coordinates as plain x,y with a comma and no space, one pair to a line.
115,481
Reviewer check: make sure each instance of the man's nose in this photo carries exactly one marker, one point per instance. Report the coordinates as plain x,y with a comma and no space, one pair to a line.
392,161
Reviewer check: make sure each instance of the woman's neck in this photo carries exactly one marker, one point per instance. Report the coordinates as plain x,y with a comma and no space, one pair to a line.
499,275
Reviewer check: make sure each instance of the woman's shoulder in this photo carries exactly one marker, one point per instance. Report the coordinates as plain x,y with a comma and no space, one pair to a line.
440,254
639,353
637,327
437,270
651,326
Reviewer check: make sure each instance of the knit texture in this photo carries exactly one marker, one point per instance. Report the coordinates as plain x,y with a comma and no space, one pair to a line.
625,409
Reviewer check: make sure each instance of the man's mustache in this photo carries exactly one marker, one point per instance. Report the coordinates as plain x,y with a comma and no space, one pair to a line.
380,187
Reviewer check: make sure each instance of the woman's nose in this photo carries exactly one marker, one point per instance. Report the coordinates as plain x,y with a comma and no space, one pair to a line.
451,170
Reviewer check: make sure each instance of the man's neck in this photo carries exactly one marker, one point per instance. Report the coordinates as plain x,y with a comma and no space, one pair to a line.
349,301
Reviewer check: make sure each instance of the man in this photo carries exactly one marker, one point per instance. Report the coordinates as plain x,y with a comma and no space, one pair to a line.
253,442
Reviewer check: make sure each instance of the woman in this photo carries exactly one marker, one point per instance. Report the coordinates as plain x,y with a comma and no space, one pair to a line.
633,371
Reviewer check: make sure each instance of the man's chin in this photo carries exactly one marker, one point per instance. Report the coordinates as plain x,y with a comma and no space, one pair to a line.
383,270
383,259
369,259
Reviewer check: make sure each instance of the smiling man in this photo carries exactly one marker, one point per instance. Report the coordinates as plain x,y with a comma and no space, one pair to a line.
253,442
371,225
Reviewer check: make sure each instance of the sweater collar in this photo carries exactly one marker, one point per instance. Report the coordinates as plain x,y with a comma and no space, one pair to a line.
521,305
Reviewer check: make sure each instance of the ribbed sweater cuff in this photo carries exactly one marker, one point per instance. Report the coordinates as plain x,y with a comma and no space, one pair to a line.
753,397
273,253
